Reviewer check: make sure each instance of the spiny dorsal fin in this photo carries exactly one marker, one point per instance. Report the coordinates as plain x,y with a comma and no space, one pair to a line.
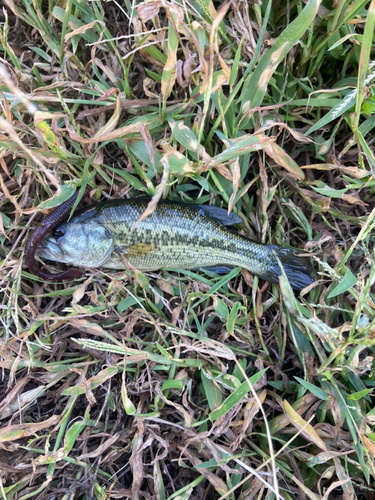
221,215
217,213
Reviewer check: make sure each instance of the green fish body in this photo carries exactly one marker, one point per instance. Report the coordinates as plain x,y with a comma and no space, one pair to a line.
175,236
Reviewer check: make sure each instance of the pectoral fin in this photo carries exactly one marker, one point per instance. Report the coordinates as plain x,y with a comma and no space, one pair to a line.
139,250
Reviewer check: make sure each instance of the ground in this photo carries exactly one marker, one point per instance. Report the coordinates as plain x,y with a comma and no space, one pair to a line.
187,384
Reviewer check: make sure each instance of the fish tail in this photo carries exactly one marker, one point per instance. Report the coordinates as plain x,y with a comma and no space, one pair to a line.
298,268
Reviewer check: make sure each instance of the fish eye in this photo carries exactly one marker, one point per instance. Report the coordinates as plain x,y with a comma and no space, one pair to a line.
58,233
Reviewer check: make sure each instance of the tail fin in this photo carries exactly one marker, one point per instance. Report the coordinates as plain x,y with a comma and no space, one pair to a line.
298,269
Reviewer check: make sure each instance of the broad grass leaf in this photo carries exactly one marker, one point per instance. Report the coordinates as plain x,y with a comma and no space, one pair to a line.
139,150
133,355
142,280
332,193
79,28
66,192
5,222
367,125
112,122
235,272
107,443
234,70
129,178
355,172
221,309
337,111
54,143
367,151
179,164
71,436
186,137
319,393
146,12
126,402
236,396
356,396
243,145
126,303
170,71
232,317
102,376
172,384
364,64
347,282
236,174
257,85
212,392
370,445
87,386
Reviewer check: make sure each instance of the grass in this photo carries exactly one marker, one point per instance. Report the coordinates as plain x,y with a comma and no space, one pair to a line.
177,385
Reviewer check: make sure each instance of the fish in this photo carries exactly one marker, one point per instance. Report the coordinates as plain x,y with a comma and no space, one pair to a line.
175,235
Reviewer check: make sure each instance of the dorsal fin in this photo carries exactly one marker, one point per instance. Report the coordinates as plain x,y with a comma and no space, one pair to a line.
221,215
217,213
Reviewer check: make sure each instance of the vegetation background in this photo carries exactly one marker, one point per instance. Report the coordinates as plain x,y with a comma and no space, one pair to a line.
184,385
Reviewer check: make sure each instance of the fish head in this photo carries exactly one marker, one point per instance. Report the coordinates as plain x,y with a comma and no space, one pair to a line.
81,244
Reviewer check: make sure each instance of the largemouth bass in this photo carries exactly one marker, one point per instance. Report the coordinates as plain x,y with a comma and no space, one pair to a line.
175,236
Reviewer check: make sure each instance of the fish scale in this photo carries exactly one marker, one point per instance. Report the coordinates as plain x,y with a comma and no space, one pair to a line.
174,235
178,237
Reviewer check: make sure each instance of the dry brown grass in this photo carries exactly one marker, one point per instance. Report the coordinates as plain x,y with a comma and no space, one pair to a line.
182,384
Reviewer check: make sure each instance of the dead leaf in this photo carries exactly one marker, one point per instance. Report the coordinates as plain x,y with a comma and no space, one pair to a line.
5,105
307,430
149,144
281,158
79,293
13,393
102,448
136,460
370,445
215,481
12,199
125,104
158,194
236,175
184,69
356,172
18,431
353,200
82,29
300,406
147,11
110,136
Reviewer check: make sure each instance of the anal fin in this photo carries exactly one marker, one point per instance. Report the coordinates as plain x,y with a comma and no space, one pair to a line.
217,269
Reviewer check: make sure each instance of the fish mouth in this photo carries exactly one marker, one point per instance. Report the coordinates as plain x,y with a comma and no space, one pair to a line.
48,249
